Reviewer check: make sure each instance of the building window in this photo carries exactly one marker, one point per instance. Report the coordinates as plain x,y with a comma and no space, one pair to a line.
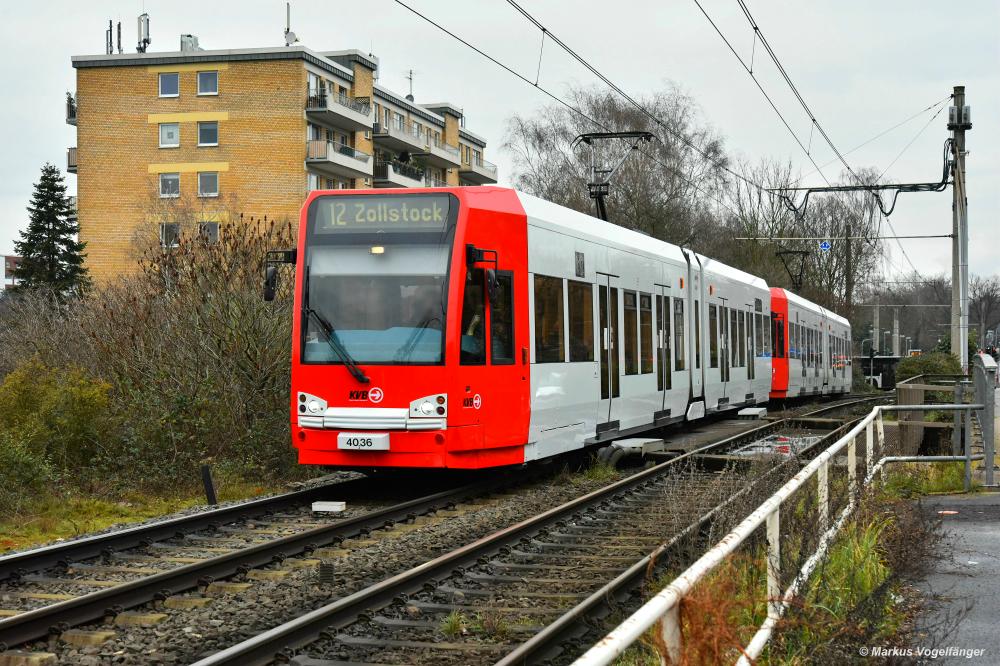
548,320
170,135
209,232
170,234
208,83
208,133
400,121
713,336
169,84
208,184
477,156
170,185
581,321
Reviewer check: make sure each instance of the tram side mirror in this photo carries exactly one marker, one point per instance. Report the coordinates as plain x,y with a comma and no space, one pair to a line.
271,262
270,282
492,286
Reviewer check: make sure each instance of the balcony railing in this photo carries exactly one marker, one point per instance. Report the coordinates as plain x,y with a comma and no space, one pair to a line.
70,109
431,181
408,129
408,170
71,160
439,143
320,149
489,167
321,99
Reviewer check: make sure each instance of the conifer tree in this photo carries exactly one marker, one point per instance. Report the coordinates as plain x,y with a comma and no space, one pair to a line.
51,255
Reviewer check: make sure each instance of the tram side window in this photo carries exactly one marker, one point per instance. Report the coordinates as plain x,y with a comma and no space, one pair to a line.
697,334
678,334
631,334
713,336
473,349
743,338
581,321
502,321
734,340
765,324
548,320
758,333
646,332
778,339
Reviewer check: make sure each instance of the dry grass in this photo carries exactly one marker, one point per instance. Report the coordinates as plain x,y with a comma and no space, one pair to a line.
61,517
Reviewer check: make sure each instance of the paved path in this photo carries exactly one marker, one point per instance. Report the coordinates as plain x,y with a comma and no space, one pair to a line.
967,578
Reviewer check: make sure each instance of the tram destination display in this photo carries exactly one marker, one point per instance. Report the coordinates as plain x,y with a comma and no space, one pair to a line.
381,213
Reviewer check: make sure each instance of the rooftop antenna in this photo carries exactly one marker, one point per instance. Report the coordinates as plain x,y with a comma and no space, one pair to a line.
108,48
290,37
409,77
599,186
119,26
144,40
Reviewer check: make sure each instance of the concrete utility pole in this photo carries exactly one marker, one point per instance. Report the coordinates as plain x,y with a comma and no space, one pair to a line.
875,325
895,332
959,120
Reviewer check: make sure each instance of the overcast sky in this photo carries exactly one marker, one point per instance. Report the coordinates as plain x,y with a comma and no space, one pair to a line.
862,66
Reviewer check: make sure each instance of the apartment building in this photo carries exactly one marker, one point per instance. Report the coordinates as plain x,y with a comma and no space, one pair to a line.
10,264
169,143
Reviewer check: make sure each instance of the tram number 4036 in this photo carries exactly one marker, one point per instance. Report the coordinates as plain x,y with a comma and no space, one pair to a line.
363,441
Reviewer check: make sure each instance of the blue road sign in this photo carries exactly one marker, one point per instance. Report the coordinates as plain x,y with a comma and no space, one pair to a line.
824,246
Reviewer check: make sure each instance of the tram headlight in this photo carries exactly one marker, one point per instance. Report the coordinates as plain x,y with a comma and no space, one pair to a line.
314,406
430,405
427,408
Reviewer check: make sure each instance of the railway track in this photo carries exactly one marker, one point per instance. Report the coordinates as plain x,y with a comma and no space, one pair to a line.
524,593
45,591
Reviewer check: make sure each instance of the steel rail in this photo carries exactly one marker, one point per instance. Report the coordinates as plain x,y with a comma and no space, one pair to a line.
12,566
547,641
39,623
266,646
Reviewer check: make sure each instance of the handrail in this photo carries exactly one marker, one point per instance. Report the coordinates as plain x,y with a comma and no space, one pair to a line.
320,100
665,606
320,149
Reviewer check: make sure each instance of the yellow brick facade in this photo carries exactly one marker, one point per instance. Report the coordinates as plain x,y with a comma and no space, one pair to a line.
261,139
260,157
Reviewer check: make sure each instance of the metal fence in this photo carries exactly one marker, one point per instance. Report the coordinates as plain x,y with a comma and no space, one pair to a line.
800,522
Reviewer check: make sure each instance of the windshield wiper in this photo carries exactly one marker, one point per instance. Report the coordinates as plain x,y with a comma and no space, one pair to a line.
334,341
404,352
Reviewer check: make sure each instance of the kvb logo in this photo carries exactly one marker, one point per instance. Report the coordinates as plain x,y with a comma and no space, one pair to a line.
474,402
358,396
375,395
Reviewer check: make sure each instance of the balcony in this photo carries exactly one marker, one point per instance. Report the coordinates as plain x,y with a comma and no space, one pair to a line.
479,172
399,138
71,160
431,181
397,174
70,110
340,110
337,159
442,155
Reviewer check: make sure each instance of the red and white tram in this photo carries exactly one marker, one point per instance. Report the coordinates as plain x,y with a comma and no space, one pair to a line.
476,327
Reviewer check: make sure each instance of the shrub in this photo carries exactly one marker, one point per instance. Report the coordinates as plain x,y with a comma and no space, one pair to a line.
25,473
934,363
59,414
179,364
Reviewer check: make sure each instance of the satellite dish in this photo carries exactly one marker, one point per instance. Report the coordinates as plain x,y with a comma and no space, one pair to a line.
290,38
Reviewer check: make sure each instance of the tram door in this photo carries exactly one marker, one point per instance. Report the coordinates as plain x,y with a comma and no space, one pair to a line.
724,342
661,294
610,344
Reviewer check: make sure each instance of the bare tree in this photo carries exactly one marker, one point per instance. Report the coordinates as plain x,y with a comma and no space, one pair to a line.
667,190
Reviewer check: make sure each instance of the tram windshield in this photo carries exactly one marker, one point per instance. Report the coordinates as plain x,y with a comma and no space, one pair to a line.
377,271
